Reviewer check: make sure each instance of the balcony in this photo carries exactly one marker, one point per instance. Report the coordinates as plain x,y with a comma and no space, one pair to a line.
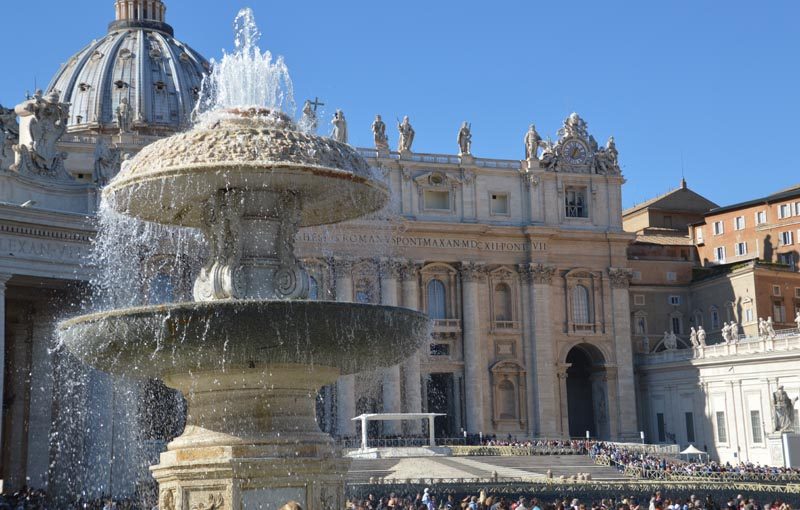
505,325
447,325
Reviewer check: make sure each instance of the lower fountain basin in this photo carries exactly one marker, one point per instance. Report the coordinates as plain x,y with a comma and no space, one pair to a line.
155,341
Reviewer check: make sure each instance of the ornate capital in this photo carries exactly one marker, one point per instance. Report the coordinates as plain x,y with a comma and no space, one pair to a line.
3,280
620,277
390,269
473,271
407,270
537,273
342,267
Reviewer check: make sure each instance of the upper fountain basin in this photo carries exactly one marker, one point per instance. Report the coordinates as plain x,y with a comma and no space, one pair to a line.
160,340
171,180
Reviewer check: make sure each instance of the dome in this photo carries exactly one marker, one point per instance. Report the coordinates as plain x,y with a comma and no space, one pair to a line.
138,62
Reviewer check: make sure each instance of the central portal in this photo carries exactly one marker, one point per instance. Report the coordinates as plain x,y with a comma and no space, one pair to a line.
587,392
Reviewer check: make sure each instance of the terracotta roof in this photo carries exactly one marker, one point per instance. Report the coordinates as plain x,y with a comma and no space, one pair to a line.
682,199
664,240
791,192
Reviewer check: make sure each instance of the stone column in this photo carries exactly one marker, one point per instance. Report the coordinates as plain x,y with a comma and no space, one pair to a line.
529,351
547,387
3,280
40,415
413,382
621,323
563,403
390,271
346,384
472,276
459,422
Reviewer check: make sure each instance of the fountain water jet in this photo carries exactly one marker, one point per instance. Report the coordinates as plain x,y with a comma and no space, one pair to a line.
249,354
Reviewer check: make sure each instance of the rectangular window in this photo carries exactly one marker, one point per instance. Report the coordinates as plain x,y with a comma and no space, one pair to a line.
638,299
662,433
786,238
499,203
784,211
440,349
689,427
719,228
761,217
719,254
698,234
797,208
778,311
738,223
575,202
755,426
748,314
676,325
437,200
672,276
675,300
797,292
722,432
637,275
776,290
741,249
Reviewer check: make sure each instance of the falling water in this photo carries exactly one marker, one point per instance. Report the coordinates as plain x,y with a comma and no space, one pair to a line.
248,77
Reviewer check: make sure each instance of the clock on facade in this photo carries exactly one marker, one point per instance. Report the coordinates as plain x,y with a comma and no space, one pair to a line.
574,152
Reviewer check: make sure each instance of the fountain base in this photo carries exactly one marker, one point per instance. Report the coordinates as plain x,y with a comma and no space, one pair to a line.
252,442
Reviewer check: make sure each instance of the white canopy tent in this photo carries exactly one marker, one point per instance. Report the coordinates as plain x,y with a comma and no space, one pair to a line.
692,450
364,418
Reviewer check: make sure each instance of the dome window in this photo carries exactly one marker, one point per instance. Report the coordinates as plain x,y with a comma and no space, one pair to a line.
97,55
120,84
160,86
185,57
155,53
126,54
84,87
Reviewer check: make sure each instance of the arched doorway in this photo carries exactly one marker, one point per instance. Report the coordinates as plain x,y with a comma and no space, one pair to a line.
587,392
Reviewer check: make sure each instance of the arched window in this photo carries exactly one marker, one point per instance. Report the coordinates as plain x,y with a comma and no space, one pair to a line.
507,400
436,300
580,305
502,302
313,289
161,289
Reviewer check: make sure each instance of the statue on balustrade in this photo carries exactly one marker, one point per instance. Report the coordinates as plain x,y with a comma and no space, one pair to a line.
670,341
693,338
9,136
783,410
797,320
107,163
308,121
379,133
465,139
339,132
770,328
701,336
124,116
532,142
406,135
43,121
606,159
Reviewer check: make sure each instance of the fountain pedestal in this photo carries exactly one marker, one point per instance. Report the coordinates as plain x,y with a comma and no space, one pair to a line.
251,442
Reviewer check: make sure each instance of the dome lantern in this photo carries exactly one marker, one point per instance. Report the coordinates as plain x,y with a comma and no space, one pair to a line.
140,14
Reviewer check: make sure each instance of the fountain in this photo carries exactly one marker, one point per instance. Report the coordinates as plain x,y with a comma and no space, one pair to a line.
249,353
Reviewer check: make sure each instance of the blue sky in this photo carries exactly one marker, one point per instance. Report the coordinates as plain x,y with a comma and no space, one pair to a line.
708,86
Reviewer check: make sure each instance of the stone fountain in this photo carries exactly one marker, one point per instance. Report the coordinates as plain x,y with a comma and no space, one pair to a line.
249,353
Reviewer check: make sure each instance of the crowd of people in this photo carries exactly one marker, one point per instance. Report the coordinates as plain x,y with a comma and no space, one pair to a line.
429,500
651,465
35,499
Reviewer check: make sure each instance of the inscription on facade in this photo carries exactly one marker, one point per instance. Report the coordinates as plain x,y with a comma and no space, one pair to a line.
37,249
404,241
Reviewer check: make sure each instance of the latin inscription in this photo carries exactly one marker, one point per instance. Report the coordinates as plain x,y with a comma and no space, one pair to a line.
420,242
34,248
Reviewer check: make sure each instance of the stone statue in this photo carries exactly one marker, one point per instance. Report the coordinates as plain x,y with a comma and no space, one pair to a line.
797,320
309,122
783,410
726,332
701,336
670,341
611,151
733,332
43,121
574,125
9,136
379,133
124,116
762,328
549,161
770,328
339,132
532,142
106,163
693,338
406,135
465,139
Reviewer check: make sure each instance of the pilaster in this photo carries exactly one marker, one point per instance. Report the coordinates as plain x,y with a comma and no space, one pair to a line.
389,273
346,384
548,398
409,276
472,275
3,281
619,279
